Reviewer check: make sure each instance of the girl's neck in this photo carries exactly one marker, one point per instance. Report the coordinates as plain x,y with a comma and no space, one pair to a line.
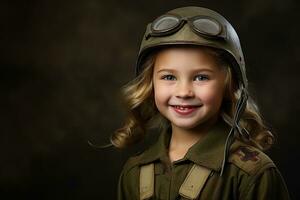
183,139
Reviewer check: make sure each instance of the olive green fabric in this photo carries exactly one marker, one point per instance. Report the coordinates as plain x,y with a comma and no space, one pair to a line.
249,173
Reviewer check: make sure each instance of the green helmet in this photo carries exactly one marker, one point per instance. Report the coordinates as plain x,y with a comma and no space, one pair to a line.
204,27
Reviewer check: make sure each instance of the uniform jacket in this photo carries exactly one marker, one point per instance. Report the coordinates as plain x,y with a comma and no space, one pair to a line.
249,173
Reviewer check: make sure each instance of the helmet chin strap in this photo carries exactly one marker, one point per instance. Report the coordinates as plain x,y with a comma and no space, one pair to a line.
235,127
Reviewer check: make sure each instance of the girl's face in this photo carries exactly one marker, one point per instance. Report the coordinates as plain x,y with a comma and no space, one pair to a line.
188,86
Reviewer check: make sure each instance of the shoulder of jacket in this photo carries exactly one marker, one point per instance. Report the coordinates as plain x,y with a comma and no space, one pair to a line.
136,160
132,162
249,158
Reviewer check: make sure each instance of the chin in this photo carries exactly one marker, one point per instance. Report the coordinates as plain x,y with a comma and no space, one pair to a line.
191,124
187,125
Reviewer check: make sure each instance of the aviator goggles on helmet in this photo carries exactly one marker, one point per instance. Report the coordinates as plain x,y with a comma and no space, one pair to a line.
170,23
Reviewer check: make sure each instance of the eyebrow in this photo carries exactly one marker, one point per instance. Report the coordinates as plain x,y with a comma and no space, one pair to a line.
194,71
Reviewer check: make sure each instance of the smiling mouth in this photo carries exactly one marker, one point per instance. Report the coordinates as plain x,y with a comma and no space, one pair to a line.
182,107
185,109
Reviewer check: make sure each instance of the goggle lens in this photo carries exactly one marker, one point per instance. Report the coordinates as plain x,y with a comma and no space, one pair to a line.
207,26
165,23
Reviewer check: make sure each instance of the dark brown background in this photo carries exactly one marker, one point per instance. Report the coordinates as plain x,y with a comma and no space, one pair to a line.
63,63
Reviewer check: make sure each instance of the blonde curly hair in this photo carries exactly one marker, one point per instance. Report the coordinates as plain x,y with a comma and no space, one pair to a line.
138,97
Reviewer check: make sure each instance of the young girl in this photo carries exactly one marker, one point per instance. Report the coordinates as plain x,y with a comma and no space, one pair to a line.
191,83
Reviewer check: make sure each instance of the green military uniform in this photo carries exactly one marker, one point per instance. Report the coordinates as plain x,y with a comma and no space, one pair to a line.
248,174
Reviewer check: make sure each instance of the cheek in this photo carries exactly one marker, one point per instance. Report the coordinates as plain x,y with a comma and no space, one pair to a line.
161,94
211,95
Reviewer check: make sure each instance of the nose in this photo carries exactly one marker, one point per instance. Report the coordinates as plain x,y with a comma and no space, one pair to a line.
184,90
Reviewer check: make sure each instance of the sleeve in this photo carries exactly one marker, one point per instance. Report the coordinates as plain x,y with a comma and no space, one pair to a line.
268,185
121,193
128,183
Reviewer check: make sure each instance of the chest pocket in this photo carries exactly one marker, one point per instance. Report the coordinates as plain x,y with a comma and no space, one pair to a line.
190,188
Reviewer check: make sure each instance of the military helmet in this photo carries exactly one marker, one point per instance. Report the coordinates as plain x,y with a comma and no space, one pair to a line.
194,26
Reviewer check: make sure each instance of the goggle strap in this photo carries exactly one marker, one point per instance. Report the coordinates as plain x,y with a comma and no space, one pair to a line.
235,128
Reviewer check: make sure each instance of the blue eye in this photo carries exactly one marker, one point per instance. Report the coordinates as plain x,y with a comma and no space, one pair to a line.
169,77
201,77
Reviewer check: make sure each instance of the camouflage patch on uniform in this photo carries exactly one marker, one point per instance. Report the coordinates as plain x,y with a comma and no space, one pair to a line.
245,158
247,154
248,158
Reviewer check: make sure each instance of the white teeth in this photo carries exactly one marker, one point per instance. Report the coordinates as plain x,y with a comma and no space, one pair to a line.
181,108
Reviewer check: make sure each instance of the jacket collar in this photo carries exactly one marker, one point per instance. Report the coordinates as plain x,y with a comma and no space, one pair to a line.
207,152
